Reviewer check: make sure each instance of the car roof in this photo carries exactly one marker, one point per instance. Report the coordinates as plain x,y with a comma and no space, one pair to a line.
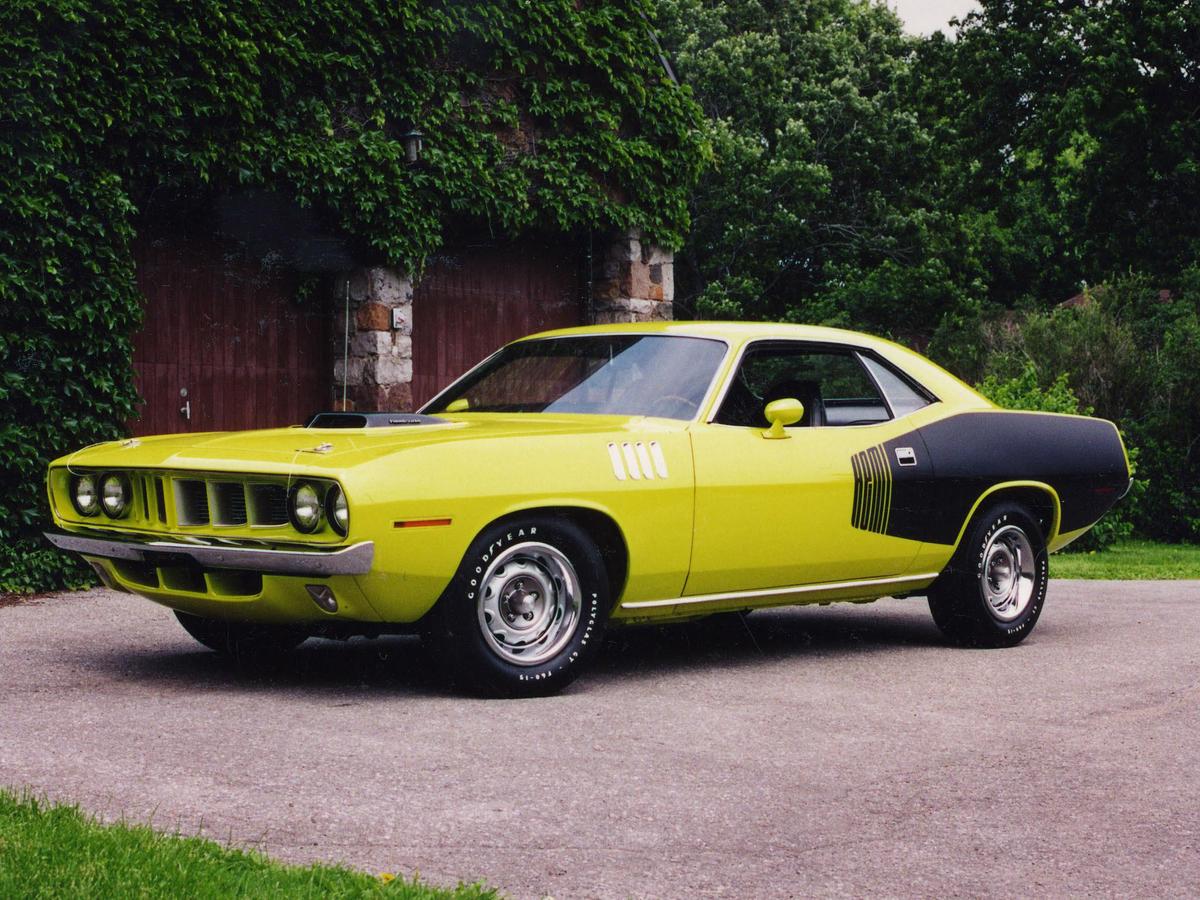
932,376
733,332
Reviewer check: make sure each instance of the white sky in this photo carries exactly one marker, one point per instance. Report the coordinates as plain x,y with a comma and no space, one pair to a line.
928,16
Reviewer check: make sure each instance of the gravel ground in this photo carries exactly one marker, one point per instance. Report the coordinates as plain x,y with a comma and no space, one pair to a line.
838,750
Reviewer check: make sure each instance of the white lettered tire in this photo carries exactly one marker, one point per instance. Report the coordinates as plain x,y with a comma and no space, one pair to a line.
993,591
526,610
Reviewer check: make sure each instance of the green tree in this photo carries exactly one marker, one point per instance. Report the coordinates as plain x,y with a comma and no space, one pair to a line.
1071,140
817,204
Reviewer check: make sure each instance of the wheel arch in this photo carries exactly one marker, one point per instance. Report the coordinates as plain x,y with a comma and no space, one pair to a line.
598,524
1041,499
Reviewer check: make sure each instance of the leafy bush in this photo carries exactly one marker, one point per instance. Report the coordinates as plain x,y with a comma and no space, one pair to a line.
1024,392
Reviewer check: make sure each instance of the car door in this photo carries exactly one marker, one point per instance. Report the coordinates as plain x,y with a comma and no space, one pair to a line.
812,507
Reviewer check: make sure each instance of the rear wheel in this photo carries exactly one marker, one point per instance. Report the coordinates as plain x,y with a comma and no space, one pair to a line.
244,641
992,593
526,610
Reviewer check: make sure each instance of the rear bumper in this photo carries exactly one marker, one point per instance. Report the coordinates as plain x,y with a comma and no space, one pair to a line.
353,560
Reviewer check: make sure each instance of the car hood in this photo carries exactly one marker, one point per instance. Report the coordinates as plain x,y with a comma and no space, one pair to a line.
286,450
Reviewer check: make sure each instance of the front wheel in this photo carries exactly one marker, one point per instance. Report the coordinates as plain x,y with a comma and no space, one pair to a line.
993,591
525,611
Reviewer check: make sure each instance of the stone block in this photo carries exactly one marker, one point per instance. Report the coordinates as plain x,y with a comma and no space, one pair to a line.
668,281
389,287
627,247
636,281
605,290
656,256
373,317
348,371
371,343
387,370
642,310
359,286
394,397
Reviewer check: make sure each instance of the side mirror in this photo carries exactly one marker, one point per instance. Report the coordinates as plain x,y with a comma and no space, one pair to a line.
779,413
462,404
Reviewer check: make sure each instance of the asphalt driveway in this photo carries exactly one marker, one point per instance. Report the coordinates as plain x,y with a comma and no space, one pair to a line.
828,750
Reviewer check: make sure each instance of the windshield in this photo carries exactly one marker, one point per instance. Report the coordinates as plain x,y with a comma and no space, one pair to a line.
617,374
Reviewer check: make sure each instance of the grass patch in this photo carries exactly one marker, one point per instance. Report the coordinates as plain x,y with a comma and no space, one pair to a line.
1130,560
57,851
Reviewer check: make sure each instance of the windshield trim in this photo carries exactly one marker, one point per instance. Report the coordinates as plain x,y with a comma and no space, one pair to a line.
717,370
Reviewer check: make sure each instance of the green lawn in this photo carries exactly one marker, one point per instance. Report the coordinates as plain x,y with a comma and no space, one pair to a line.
56,851
1130,559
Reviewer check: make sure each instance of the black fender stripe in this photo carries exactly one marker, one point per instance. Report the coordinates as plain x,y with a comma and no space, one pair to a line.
959,458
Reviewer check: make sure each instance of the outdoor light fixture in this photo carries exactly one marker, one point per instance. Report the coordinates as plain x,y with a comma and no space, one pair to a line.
414,143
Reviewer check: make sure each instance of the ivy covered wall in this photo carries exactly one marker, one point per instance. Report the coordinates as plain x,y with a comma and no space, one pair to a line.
556,114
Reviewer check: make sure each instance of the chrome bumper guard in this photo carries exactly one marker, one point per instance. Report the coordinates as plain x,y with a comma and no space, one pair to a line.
353,560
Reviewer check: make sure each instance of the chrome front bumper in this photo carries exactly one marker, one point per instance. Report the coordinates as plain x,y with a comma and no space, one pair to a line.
353,560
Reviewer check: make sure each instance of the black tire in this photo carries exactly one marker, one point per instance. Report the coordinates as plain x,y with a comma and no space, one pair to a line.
970,601
525,612
246,642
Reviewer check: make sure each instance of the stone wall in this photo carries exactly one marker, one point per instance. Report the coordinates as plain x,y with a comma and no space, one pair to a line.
633,281
377,374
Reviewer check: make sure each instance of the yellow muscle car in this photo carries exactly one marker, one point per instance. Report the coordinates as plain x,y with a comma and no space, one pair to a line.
592,477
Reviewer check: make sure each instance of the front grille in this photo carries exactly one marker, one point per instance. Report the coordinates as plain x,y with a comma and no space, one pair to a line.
191,502
268,504
229,503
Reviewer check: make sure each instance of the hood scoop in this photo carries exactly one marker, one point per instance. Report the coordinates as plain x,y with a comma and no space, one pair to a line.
369,420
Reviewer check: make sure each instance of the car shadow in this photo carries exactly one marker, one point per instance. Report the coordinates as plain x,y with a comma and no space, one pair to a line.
393,664
403,665
766,635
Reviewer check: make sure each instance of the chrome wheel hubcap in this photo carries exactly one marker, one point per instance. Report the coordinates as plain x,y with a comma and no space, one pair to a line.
529,603
1006,581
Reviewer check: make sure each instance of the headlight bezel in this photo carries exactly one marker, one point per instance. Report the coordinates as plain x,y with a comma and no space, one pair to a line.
333,495
126,486
73,489
318,506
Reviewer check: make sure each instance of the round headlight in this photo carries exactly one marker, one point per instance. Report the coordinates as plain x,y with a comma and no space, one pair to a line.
305,508
336,510
114,495
84,495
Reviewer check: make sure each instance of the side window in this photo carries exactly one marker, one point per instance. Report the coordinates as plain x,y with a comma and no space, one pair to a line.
901,396
832,385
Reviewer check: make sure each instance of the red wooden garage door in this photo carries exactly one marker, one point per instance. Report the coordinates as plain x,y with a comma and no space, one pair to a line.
471,301
232,336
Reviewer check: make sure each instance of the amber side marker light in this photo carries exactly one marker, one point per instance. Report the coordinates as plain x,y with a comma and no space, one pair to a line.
419,523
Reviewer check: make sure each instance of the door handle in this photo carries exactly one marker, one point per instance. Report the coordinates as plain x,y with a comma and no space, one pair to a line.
186,409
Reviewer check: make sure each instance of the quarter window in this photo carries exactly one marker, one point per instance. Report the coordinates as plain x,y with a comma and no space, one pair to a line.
901,396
